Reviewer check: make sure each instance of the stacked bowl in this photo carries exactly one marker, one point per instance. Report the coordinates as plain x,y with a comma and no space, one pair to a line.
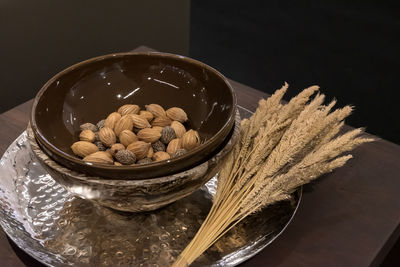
88,91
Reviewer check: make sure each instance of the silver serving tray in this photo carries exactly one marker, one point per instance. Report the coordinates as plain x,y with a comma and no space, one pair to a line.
57,229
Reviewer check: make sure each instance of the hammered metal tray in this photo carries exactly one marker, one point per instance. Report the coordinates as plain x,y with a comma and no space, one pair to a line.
58,229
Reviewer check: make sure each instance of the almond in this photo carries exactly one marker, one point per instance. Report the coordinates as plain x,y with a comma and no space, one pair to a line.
178,128
125,123
158,128
139,121
156,109
107,136
87,135
139,148
149,135
127,137
173,146
177,114
128,109
190,140
99,157
112,119
147,115
161,121
161,155
150,153
83,148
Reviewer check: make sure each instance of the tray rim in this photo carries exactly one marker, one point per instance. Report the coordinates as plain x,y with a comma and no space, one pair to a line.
236,262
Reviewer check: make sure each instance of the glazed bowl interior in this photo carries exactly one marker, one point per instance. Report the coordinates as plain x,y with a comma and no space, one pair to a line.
90,90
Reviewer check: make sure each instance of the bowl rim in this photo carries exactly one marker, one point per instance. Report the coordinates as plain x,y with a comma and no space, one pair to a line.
43,140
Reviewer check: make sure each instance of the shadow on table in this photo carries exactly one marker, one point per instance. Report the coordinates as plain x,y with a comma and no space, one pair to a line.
24,257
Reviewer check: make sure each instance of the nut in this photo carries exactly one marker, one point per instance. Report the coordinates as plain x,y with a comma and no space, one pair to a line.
115,148
158,128
177,114
116,163
107,136
158,146
161,121
99,157
178,153
167,134
150,153
161,155
87,135
125,123
128,109
127,137
83,148
190,140
89,126
147,115
156,109
139,148
112,119
173,146
100,124
100,146
144,161
125,157
149,135
139,121
178,128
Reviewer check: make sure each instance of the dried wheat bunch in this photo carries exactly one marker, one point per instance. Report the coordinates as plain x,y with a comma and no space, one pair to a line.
282,147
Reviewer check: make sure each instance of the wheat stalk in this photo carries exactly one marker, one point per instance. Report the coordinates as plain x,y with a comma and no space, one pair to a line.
282,147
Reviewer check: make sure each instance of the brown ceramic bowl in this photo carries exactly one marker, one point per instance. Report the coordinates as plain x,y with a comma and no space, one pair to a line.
90,90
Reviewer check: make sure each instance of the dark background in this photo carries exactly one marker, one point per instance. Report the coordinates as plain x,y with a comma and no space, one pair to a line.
349,48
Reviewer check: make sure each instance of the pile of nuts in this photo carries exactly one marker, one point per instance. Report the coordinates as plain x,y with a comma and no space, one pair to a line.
132,136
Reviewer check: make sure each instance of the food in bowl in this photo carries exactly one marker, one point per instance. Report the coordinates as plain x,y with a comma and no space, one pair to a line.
132,136
79,94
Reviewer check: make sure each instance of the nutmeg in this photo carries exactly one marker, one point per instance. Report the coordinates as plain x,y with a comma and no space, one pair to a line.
160,155
178,153
139,121
139,148
100,146
156,110
112,119
127,137
149,135
125,123
125,157
99,157
128,109
178,128
83,148
100,124
161,121
167,134
107,136
144,161
177,114
89,126
173,146
87,135
115,148
158,146
147,115
190,140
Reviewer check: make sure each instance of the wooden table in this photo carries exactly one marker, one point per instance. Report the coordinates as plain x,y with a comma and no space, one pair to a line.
350,217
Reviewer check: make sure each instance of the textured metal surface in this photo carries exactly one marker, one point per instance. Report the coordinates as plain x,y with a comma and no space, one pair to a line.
59,230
